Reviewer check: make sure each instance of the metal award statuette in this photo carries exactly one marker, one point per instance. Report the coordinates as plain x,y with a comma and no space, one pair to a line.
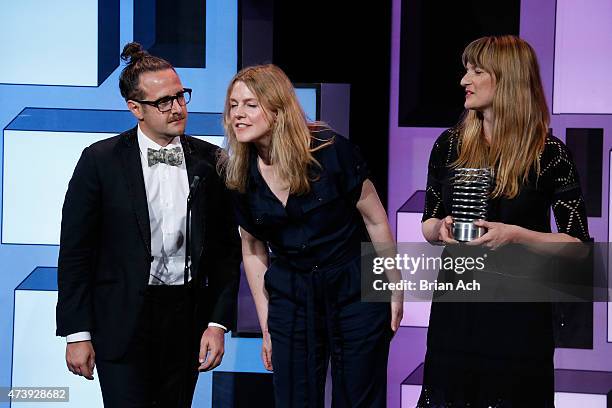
471,189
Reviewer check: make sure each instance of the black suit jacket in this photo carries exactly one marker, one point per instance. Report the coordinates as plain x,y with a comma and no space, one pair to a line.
105,243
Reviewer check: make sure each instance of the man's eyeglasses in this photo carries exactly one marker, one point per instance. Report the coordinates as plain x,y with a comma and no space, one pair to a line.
165,104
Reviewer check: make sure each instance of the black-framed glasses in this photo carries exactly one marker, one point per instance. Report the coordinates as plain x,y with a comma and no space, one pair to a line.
165,104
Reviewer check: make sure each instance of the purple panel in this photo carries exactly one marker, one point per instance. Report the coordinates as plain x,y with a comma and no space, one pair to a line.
408,156
598,227
583,382
415,203
573,381
407,352
538,29
247,323
336,106
583,62
409,150
415,377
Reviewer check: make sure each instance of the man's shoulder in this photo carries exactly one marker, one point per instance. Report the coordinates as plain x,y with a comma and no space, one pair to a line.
202,145
108,145
204,149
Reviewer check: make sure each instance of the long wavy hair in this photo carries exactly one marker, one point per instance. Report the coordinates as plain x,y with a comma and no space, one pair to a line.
520,114
290,145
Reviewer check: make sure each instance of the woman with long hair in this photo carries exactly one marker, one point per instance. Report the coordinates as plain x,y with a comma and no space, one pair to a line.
304,205
499,354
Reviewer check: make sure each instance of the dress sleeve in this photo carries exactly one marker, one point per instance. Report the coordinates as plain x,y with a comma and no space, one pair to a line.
438,158
353,168
244,217
567,202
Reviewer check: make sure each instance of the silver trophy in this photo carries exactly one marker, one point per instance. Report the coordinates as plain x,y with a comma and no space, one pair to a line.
471,190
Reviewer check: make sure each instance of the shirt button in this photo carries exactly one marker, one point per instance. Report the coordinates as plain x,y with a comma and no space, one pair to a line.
319,199
314,268
258,221
303,246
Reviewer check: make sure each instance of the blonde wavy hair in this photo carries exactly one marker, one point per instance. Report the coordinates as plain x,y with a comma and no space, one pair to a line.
520,114
291,133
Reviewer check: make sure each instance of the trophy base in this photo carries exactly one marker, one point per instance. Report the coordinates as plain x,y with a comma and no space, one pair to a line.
467,231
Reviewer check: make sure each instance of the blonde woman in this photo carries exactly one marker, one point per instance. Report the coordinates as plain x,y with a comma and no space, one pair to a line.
303,192
500,354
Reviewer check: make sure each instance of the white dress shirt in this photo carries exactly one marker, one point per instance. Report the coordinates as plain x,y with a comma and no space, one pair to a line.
167,188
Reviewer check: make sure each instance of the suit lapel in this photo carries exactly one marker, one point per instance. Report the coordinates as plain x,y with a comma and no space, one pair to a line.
191,158
130,158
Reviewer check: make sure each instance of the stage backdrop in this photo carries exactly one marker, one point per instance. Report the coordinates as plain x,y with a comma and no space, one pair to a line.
59,93
573,42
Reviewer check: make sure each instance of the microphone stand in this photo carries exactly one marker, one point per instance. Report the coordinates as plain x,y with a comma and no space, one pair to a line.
192,189
189,319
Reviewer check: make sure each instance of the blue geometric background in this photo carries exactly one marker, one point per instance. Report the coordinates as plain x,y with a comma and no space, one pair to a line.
73,97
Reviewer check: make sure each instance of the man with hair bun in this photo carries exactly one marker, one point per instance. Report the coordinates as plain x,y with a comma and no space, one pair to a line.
144,295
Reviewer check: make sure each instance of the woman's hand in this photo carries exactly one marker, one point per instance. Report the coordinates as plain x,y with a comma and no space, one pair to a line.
266,351
498,234
397,312
438,231
445,231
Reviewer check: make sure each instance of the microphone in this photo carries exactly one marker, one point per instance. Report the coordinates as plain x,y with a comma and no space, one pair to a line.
471,189
192,189
200,170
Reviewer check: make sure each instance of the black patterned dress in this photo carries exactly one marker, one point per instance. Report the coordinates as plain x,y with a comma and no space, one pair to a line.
499,354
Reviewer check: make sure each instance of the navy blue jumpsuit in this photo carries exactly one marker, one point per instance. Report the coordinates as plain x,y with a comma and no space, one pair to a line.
315,314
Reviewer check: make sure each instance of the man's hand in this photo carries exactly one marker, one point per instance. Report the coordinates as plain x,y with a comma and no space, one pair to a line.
81,358
212,347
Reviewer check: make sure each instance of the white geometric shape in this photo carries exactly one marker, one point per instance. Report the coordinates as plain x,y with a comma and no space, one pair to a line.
49,42
410,395
571,400
409,227
37,168
39,355
416,314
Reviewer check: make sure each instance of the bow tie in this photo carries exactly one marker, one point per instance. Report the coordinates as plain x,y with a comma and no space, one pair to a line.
172,157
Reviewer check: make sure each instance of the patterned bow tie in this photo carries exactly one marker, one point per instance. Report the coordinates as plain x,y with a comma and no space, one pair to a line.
172,157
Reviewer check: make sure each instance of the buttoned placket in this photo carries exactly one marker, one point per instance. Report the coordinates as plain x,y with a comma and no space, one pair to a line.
165,187
166,209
